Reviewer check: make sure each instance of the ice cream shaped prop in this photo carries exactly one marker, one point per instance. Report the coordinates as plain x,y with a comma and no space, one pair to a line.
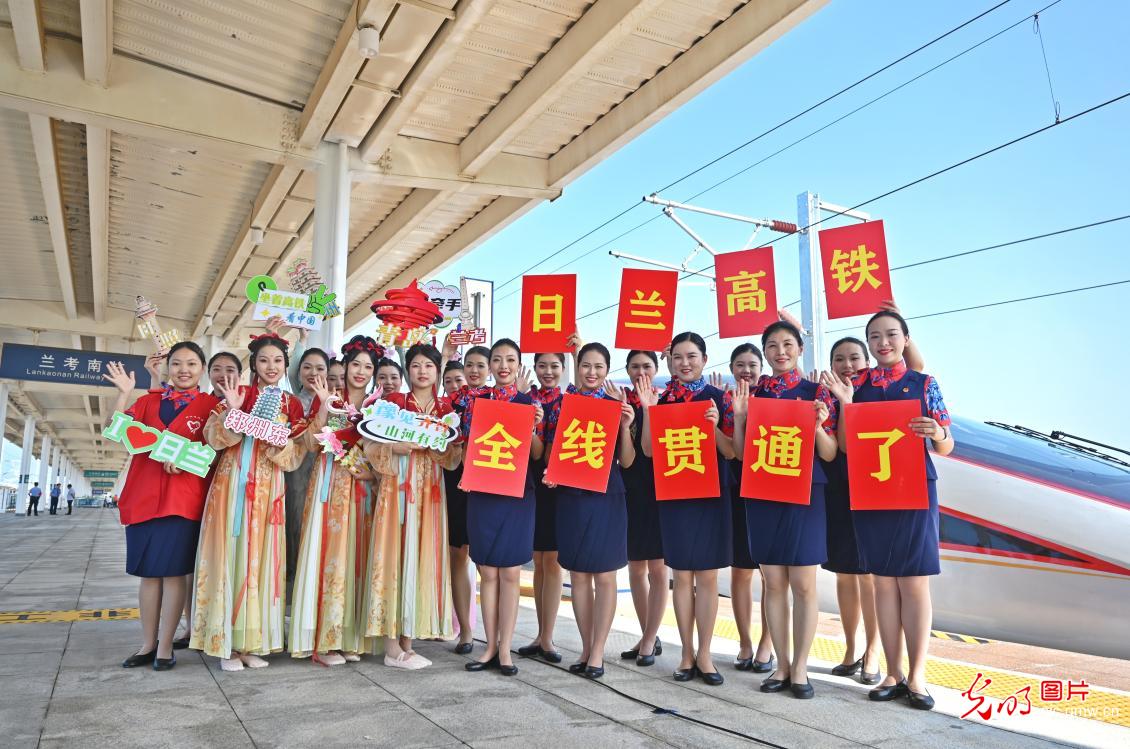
147,325
263,421
305,279
407,316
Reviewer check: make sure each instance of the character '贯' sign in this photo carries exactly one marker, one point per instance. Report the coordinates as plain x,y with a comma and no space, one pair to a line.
684,456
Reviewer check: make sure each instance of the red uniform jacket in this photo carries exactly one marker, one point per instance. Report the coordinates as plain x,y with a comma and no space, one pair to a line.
149,492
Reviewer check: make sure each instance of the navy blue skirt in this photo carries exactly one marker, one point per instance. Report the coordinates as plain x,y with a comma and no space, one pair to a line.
742,558
787,534
899,543
545,514
162,547
698,534
456,507
843,551
645,537
501,529
592,530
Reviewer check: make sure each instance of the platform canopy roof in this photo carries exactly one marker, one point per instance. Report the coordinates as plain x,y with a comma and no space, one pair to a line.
140,140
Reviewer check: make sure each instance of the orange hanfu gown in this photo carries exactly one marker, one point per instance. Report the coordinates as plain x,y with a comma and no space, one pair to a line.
239,596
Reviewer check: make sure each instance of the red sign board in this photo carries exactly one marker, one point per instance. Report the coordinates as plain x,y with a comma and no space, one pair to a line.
585,446
886,461
646,317
780,439
684,456
549,313
747,292
857,277
498,448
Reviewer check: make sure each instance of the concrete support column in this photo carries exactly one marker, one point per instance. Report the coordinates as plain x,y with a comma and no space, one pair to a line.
331,237
25,464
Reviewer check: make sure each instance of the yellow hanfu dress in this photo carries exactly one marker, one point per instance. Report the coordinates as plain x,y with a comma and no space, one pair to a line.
239,594
408,582
326,607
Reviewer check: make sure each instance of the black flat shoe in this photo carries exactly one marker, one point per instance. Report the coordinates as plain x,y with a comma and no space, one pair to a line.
630,654
848,669
772,686
713,679
645,660
802,691
527,651
870,679
658,647
464,648
550,656
920,701
140,659
685,674
743,664
578,667
508,670
180,644
482,665
594,672
164,664
765,667
886,694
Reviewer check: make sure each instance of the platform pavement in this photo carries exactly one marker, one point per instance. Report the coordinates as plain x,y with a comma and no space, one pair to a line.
60,683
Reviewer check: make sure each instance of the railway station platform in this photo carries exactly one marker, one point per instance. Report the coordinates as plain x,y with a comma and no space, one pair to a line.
68,617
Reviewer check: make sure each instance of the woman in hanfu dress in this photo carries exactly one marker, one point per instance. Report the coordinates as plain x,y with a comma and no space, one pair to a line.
239,595
326,612
408,583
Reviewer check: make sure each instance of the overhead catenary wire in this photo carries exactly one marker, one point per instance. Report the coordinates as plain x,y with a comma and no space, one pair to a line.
749,142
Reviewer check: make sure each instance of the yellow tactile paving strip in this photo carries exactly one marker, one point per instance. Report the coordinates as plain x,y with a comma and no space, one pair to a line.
82,615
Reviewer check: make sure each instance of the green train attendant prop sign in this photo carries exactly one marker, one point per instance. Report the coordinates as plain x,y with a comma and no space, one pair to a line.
160,444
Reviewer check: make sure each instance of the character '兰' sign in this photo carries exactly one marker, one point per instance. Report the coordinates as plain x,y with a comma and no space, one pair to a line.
779,442
886,460
549,312
498,448
383,421
585,447
684,456
857,277
747,292
161,445
646,315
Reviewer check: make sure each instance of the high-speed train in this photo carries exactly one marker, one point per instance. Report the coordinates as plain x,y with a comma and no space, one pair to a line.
1035,541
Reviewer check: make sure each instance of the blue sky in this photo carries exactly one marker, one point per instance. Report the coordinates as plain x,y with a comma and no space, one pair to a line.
1042,363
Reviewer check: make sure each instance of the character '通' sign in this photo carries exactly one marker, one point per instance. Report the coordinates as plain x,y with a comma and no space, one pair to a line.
857,277
161,445
646,314
549,312
383,421
498,448
684,456
886,460
747,292
585,447
779,443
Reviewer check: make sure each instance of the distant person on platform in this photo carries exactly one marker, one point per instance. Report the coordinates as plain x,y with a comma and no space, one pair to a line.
55,492
70,498
33,495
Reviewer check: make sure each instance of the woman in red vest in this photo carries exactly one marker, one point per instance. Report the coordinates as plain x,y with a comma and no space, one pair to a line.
161,505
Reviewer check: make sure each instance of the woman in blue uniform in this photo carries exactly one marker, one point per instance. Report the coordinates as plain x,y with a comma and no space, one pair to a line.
647,572
789,540
501,529
697,533
746,363
900,547
547,570
592,526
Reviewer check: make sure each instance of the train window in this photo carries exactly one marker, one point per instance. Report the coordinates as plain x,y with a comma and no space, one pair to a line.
961,532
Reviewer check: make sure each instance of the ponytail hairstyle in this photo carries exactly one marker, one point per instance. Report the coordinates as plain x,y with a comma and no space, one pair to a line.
853,340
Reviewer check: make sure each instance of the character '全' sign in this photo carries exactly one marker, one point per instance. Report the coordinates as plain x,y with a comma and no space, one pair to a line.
498,448
886,460
779,442
684,456
585,447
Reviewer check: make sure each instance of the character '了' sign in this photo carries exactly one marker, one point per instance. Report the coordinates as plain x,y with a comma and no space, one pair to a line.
886,470
857,276
891,437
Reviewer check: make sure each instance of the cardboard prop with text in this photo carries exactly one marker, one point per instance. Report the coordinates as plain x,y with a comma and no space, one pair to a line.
585,447
684,456
857,276
747,292
780,439
161,445
498,448
549,313
646,315
886,460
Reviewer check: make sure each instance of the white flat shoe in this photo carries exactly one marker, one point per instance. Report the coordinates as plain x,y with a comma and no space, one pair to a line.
417,658
253,661
332,659
351,657
231,664
405,661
